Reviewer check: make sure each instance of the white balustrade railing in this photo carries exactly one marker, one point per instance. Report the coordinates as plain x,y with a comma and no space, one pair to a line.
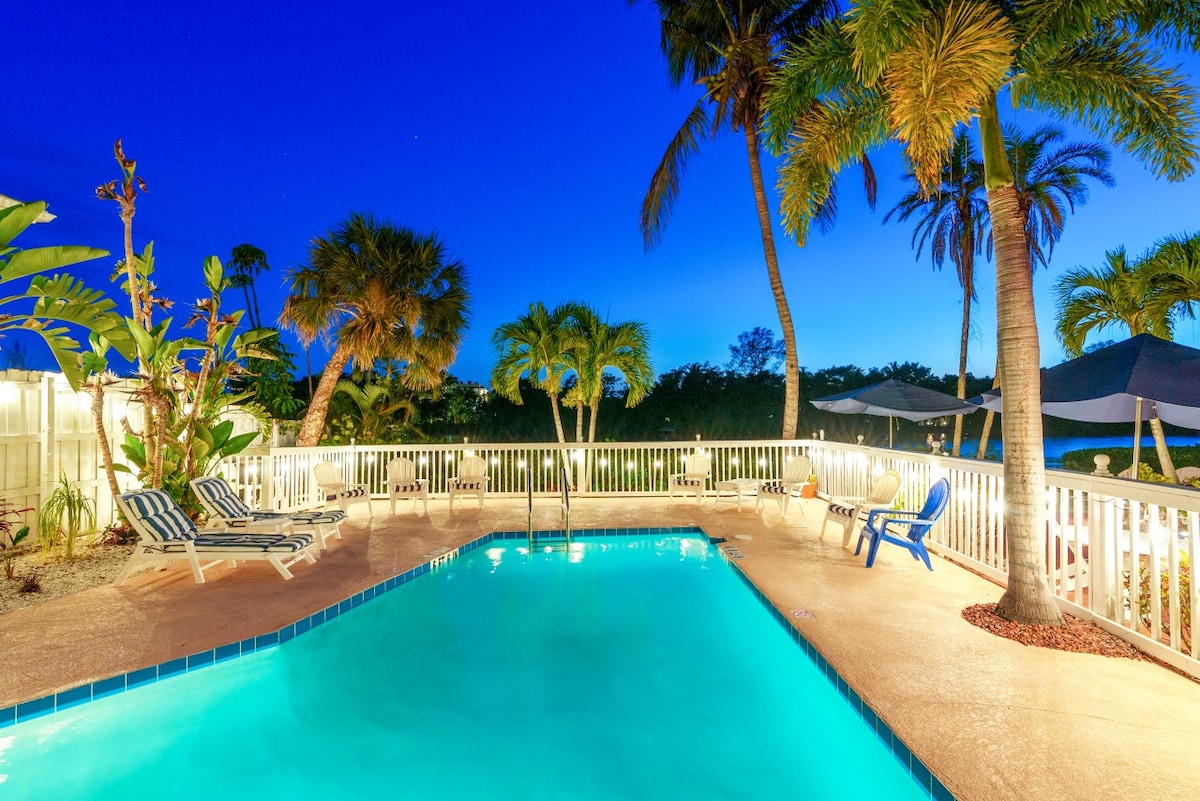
1116,551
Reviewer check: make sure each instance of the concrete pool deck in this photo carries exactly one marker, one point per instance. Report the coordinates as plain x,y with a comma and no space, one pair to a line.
993,719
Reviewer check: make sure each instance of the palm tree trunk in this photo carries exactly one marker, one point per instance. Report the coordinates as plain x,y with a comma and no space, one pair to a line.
791,370
106,455
558,426
318,407
1027,598
1164,455
964,337
989,418
592,420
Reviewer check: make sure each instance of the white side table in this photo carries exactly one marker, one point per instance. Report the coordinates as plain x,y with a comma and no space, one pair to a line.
734,490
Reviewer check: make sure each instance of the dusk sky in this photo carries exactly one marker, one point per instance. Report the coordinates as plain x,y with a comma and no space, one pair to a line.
524,134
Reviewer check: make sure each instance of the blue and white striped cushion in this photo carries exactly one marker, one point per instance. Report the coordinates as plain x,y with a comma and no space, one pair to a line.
839,509
405,487
774,489
317,518
688,482
253,542
220,496
468,484
357,492
160,515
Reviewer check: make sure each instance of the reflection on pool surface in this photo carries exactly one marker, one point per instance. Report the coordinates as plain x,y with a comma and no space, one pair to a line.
622,667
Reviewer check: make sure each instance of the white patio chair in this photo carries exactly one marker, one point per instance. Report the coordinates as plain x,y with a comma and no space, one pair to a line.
334,488
795,476
696,469
472,480
847,511
403,483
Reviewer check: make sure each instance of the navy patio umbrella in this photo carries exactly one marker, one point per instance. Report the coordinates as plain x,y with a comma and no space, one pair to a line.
1131,381
894,398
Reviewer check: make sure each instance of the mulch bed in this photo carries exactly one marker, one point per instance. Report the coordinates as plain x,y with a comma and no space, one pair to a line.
1075,635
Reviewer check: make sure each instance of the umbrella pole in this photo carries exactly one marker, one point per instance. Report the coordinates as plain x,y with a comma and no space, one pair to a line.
889,431
1137,437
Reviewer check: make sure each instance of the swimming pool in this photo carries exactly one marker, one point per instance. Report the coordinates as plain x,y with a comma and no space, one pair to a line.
624,667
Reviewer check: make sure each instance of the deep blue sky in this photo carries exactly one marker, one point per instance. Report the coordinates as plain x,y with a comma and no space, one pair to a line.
523,134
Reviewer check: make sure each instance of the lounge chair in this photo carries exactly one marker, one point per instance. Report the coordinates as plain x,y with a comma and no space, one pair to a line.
166,534
403,483
472,479
846,512
227,511
696,469
795,476
918,523
335,489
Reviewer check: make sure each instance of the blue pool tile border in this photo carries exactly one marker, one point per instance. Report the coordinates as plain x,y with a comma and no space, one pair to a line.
920,773
38,707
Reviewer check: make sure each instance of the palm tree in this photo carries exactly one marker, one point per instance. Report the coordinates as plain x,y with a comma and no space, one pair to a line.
1174,269
377,291
914,71
535,345
1119,293
246,261
954,222
601,346
731,47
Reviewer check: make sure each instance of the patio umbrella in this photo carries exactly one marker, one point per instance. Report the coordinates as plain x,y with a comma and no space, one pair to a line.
894,398
1131,381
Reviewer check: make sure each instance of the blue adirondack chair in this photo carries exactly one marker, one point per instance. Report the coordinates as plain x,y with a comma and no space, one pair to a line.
918,523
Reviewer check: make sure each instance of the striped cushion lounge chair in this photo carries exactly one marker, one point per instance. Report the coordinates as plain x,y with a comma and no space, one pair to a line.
226,510
334,488
166,534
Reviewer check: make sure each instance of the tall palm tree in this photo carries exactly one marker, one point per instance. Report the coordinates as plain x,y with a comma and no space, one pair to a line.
245,262
1119,293
377,291
535,345
600,347
731,48
953,221
913,71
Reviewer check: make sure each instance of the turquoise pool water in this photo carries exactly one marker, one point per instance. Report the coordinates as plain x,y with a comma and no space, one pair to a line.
627,667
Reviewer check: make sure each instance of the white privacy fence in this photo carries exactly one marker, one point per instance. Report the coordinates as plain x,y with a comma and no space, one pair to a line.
48,431
1117,551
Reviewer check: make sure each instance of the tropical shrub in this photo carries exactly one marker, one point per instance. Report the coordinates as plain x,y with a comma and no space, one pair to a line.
66,513
1145,609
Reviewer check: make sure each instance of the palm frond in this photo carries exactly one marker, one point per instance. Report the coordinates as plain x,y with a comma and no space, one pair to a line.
664,184
948,67
1112,83
880,28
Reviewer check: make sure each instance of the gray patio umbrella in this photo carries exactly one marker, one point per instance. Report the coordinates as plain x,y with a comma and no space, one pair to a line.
894,398
1131,381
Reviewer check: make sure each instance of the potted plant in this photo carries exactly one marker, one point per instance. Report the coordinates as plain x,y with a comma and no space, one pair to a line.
809,489
66,513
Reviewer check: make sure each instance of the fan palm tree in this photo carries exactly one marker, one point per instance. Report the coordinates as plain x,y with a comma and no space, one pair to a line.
377,291
731,48
1119,293
914,71
535,345
953,221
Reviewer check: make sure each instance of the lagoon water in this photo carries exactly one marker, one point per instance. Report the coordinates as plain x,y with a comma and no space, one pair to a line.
1055,447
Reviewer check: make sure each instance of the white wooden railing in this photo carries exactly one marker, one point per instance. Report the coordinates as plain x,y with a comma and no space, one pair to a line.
1097,528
